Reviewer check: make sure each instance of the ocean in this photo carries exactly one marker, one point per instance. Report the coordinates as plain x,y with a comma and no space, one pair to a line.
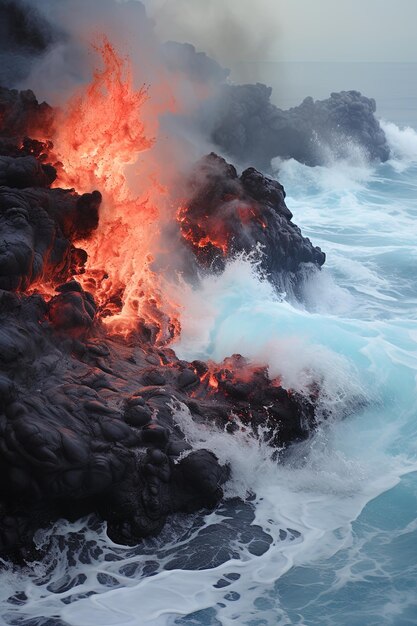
326,534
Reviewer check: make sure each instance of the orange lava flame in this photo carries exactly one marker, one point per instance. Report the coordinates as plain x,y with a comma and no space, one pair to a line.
98,133
100,130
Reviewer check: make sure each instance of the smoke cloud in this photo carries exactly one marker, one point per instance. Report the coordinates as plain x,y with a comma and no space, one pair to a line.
73,27
222,29
24,35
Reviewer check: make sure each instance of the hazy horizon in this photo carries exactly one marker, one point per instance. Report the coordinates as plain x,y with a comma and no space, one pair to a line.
292,30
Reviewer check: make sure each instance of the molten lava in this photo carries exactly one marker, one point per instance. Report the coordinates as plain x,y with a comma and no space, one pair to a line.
100,130
210,231
234,376
97,134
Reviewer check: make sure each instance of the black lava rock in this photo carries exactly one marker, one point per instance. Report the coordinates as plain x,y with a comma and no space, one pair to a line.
226,214
248,127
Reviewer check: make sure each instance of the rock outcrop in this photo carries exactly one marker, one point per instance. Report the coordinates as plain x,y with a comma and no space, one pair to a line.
225,214
92,422
245,125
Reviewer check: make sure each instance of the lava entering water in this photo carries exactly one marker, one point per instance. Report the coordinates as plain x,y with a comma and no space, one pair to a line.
97,134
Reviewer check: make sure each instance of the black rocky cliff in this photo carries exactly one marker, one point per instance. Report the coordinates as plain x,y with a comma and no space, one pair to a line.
93,423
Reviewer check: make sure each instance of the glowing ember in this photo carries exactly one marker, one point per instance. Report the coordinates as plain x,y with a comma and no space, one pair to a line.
213,230
229,376
98,133
211,233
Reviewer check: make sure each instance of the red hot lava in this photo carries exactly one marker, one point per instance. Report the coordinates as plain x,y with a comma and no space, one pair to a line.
97,134
208,228
235,376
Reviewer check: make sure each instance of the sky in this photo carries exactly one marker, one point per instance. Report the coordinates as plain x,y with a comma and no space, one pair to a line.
292,30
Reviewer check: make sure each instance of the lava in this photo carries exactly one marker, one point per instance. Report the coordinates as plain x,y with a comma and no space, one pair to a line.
98,133
210,233
247,213
235,376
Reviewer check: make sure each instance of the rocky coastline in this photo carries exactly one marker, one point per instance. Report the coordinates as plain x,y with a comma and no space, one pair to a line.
88,420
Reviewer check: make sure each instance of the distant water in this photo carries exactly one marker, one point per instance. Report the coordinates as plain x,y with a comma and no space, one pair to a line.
329,537
393,85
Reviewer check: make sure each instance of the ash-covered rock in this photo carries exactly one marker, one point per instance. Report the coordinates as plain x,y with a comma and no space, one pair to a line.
225,214
247,126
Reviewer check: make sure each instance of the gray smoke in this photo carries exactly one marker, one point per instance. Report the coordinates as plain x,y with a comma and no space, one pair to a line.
74,27
48,49
25,35
230,32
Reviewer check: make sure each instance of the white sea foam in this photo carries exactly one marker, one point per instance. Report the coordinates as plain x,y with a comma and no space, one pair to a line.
403,144
306,506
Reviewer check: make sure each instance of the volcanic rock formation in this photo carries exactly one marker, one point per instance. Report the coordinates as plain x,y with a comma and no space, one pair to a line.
244,124
92,422
248,127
